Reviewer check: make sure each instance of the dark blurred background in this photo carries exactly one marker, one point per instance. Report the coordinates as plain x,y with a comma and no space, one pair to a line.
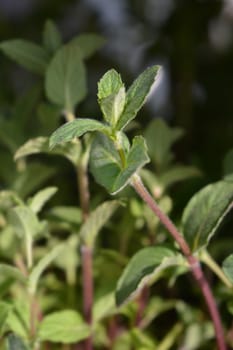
191,39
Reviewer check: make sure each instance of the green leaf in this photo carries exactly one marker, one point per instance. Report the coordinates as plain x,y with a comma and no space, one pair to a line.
178,173
227,267
159,138
109,84
39,268
65,214
136,159
49,116
63,327
25,222
96,221
141,340
205,212
71,151
106,164
143,265
8,271
136,96
5,308
29,55
113,106
32,178
88,43
18,320
76,128
65,82
14,342
104,307
9,199
37,202
51,37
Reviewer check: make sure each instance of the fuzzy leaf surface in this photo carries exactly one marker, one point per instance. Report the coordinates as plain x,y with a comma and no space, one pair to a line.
205,212
75,128
109,84
65,82
29,55
63,327
96,221
113,106
140,268
136,95
38,145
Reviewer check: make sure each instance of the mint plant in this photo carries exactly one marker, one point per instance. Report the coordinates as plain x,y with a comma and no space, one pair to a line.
115,163
64,285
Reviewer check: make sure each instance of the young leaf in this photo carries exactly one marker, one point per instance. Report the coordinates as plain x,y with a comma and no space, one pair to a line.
51,37
14,342
29,55
109,84
37,202
70,150
106,164
143,265
136,96
113,106
104,161
136,159
41,266
88,43
96,221
25,222
227,267
75,128
63,327
65,82
205,212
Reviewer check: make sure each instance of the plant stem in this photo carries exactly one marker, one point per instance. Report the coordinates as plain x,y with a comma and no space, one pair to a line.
87,282
29,253
193,262
83,187
86,252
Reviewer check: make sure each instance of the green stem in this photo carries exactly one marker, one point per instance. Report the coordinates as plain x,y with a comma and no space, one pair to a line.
86,252
208,260
195,266
69,115
29,254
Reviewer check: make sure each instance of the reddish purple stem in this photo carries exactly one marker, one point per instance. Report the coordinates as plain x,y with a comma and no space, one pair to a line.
194,263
